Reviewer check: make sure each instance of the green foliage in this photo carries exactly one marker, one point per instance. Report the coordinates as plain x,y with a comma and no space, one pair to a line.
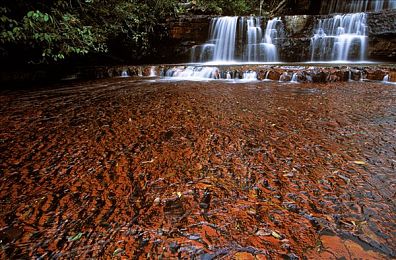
51,31
227,7
59,29
56,35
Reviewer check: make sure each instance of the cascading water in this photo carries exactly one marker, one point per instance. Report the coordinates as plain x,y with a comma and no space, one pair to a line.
294,78
254,36
356,6
124,74
344,37
221,44
224,35
250,75
261,48
153,73
336,38
340,38
193,73
239,39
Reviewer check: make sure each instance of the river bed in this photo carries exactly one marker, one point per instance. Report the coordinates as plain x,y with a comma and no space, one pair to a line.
163,169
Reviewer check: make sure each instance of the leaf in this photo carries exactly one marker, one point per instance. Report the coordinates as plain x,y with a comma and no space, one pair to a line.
47,37
75,238
118,251
360,162
46,18
263,232
276,235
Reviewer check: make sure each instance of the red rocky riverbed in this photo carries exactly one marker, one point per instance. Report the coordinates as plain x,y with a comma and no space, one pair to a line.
125,168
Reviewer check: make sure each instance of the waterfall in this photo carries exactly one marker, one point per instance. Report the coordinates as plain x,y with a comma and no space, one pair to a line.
239,39
124,74
261,48
378,5
294,78
254,36
223,31
250,75
340,38
221,44
356,6
266,75
268,43
193,73
153,73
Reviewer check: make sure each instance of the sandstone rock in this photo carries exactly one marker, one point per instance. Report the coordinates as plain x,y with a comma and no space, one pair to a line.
274,75
285,77
374,74
392,76
295,24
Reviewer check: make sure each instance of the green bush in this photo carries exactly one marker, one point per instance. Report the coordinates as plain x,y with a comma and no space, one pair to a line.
51,31
227,7
54,30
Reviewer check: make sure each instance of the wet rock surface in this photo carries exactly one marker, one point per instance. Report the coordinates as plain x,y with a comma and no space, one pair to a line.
294,42
118,167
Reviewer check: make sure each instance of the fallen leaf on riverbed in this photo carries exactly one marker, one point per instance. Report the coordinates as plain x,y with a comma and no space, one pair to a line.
75,238
263,232
276,235
359,162
118,251
151,161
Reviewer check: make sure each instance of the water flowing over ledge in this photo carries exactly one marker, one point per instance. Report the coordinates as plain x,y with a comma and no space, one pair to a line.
290,72
239,39
338,38
285,73
356,6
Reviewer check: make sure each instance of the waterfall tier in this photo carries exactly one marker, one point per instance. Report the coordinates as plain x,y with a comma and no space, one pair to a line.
287,74
239,39
356,6
340,38
193,73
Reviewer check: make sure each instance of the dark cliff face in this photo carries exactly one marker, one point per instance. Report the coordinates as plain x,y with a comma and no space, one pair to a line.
301,7
294,46
184,32
382,36
294,43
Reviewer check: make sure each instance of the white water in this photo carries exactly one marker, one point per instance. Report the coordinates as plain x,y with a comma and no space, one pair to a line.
254,36
294,78
386,78
196,73
261,48
250,75
266,76
193,73
124,74
238,39
341,38
356,6
153,73
223,33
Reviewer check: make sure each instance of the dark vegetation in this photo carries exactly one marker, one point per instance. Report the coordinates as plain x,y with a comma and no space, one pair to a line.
92,31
